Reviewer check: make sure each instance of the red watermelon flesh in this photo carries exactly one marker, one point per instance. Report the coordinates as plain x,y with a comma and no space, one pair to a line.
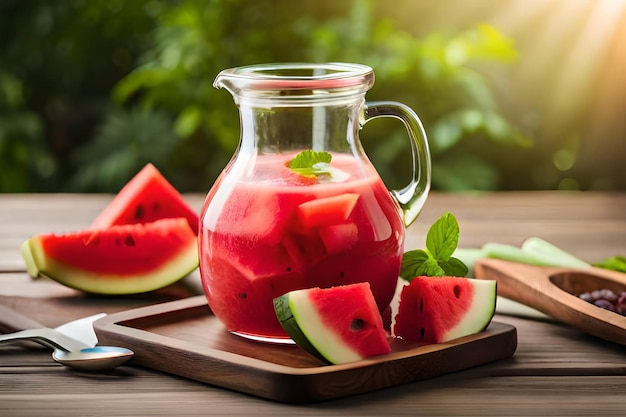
253,216
439,309
119,260
352,311
339,238
304,251
244,302
327,211
147,197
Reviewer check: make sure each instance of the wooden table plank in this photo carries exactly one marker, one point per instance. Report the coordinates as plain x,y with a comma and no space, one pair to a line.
135,391
590,225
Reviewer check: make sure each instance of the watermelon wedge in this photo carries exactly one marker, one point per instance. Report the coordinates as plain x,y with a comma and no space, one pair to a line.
440,309
147,197
337,325
122,259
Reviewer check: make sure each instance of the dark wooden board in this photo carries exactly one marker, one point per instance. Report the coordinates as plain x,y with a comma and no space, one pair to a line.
184,338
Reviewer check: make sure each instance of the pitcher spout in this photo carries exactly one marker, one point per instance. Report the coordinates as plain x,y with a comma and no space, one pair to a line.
296,82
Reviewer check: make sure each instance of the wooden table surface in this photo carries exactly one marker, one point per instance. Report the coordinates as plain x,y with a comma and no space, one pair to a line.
556,370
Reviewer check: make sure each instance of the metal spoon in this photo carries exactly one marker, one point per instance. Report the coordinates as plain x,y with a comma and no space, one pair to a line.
97,358
69,351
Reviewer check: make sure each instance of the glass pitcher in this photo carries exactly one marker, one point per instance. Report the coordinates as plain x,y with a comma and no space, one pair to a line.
300,205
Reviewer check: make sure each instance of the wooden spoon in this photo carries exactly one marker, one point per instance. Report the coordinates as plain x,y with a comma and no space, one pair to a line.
554,291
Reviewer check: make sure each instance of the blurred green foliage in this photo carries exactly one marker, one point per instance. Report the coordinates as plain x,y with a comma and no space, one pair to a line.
22,153
90,91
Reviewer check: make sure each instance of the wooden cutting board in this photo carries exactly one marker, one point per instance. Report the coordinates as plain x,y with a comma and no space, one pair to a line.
184,338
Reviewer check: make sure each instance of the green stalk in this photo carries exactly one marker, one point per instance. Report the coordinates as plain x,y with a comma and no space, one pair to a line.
559,257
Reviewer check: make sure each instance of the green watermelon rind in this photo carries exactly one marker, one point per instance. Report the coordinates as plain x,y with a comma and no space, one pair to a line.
477,317
289,323
303,324
174,269
27,254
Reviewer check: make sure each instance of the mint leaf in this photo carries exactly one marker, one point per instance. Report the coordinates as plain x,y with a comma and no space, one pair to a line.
412,262
436,260
310,162
454,267
431,268
443,237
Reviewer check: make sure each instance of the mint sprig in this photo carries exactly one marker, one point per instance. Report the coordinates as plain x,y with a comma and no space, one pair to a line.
436,260
311,163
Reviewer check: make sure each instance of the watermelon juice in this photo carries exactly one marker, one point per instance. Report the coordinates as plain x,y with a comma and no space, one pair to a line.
270,231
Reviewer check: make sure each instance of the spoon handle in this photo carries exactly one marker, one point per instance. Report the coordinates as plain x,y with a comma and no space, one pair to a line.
46,337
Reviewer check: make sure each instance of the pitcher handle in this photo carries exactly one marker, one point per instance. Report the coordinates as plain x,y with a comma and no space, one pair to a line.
412,197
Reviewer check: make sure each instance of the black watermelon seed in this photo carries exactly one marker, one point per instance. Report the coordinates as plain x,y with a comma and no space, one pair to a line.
129,240
139,212
357,324
457,291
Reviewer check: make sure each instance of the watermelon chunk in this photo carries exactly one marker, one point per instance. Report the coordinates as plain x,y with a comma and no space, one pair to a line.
327,211
303,251
338,324
251,215
147,197
440,309
338,238
122,259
